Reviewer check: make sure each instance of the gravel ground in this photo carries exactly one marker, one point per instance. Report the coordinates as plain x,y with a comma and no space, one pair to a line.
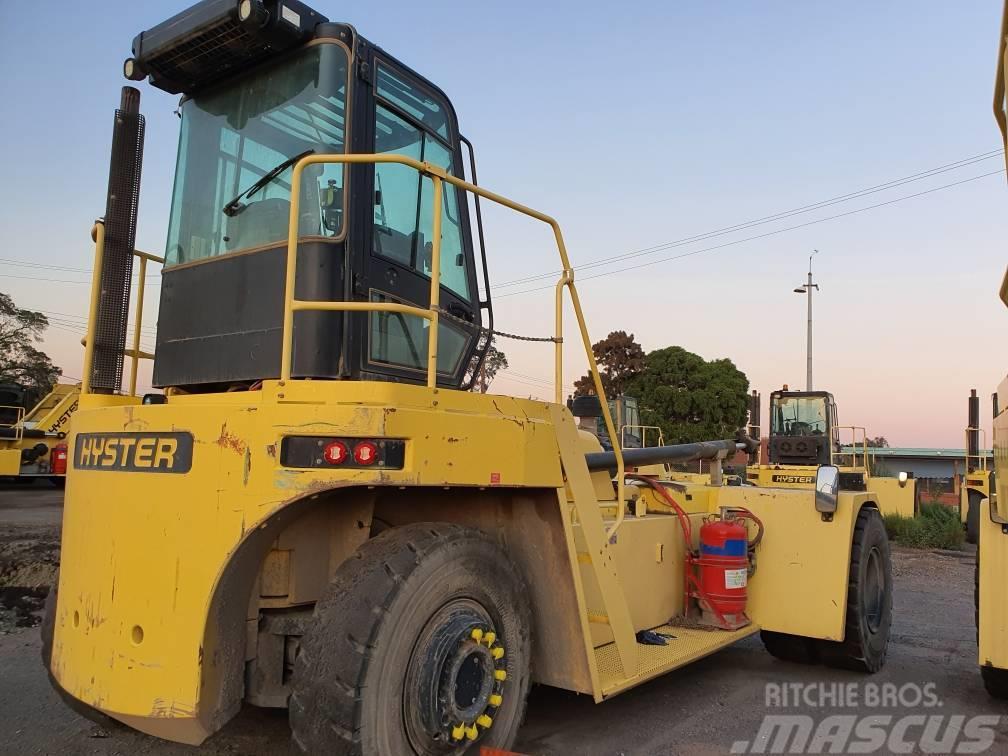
704,708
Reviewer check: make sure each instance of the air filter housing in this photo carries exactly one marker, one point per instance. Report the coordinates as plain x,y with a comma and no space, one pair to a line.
216,38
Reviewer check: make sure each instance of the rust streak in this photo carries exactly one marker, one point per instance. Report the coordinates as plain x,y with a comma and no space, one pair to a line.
228,440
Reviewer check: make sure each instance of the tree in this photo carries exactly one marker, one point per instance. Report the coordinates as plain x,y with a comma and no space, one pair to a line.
879,442
21,361
619,359
494,362
689,398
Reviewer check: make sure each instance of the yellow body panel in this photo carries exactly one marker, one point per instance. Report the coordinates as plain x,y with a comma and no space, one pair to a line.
800,585
992,624
142,551
992,618
887,493
10,461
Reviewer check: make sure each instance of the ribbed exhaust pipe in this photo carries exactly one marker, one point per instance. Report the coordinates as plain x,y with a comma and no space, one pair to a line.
973,435
120,221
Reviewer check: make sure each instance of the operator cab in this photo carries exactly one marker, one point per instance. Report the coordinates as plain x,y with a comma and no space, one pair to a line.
290,83
803,428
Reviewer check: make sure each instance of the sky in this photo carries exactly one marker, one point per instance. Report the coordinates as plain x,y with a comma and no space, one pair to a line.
636,129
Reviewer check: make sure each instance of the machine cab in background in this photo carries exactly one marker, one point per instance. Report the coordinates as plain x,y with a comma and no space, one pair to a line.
803,428
365,231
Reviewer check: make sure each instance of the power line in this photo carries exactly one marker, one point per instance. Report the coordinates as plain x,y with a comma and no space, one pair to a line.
763,236
77,320
770,218
28,264
63,280
508,372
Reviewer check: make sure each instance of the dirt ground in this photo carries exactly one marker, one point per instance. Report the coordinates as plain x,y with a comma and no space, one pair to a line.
29,550
708,707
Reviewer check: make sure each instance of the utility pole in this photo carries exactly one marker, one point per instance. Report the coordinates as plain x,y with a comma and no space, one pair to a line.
806,289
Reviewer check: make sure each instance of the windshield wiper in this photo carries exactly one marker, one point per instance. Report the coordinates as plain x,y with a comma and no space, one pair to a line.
236,205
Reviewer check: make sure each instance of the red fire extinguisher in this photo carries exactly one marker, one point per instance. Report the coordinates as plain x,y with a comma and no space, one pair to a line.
717,575
724,573
58,459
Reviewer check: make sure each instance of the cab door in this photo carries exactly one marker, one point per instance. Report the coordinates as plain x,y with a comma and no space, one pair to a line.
413,119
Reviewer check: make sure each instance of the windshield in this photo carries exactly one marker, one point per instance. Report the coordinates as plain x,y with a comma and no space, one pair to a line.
233,136
798,415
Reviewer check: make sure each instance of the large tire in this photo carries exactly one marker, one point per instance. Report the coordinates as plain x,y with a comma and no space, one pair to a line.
973,507
995,681
790,648
393,663
869,600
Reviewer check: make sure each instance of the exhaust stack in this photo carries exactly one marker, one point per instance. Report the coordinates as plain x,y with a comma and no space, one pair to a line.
120,239
755,429
973,432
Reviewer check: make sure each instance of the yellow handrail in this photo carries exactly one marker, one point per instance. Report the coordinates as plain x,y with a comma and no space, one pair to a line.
980,457
854,453
431,313
18,424
643,431
135,354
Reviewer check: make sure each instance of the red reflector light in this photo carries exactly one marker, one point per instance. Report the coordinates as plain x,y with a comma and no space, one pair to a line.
335,453
365,453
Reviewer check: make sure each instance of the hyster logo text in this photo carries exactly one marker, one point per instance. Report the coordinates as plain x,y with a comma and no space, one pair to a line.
793,479
134,452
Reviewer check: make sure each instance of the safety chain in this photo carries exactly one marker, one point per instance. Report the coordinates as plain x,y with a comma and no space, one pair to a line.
503,334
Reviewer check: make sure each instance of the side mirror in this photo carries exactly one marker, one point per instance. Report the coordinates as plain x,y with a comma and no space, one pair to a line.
827,484
902,478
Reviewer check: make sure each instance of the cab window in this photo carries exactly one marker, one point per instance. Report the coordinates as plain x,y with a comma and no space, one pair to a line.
232,137
411,123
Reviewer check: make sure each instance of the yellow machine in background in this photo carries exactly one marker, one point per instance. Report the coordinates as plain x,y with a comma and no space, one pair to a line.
33,445
804,434
316,513
992,548
977,481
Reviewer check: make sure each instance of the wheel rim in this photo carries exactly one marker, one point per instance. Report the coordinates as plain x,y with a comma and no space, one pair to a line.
454,680
874,590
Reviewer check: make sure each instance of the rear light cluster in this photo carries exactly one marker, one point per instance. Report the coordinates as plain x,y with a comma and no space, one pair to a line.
354,453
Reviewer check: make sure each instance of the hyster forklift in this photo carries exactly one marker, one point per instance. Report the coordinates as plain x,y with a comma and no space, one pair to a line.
33,443
991,595
316,513
804,434
977,481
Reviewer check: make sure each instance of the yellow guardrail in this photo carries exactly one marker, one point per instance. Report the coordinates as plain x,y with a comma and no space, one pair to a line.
643,429
841,457
135,354
18,424
980,458
431,313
